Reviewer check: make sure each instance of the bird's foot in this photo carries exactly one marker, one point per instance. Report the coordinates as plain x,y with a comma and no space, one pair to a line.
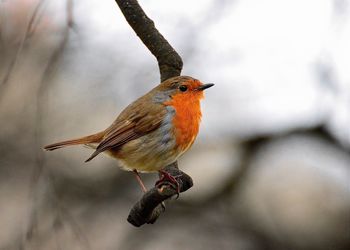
165,177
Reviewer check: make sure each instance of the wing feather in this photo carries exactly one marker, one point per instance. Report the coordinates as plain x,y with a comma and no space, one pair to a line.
135,121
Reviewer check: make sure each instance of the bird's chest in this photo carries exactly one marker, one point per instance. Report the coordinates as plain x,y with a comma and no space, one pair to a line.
186,120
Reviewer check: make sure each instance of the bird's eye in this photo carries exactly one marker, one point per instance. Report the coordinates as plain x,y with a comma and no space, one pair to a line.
183,88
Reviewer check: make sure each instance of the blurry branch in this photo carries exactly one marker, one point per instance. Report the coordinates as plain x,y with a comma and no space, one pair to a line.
48,72
169,61
27,33
151,205
63,215
39,170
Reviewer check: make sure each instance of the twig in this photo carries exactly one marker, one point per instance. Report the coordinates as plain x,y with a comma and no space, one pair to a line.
20,47
39,170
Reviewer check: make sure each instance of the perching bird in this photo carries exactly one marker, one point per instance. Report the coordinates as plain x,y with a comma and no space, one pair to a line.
153,131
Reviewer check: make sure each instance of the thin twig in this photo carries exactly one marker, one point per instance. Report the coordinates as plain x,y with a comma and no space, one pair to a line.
38,172
13,63
63,215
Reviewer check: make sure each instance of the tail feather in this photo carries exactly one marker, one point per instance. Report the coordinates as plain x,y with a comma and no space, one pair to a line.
95,138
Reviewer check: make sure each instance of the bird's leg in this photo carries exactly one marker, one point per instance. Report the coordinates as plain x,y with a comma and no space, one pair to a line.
142,185
138,178
166,177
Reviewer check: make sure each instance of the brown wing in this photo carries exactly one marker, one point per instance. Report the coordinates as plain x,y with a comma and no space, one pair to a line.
134,122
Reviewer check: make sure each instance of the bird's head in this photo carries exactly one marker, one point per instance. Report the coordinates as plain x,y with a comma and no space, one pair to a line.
181,87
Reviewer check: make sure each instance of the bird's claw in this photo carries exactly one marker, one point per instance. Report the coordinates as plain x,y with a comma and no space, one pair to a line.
168,178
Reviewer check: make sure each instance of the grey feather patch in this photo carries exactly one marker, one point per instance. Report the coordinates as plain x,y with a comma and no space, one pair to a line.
163,96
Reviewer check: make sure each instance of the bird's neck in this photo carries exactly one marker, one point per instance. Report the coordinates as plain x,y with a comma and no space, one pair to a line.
186,119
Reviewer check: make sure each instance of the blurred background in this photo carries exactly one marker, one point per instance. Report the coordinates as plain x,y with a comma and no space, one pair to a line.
271,166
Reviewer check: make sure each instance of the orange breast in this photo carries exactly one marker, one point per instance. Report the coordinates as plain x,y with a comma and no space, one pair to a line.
187,118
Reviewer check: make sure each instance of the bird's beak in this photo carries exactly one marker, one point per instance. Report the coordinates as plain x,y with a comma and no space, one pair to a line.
205,86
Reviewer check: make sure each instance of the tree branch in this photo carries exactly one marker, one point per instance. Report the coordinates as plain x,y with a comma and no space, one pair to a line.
26,35
39,170
149,208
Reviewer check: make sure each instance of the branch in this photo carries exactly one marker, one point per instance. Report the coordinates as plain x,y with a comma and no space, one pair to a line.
26,35
39,170
149,208
169,61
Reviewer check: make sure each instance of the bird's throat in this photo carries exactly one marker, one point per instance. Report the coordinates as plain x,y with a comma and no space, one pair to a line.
186,119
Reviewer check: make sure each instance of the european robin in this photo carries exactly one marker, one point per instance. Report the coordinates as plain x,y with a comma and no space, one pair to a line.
153,131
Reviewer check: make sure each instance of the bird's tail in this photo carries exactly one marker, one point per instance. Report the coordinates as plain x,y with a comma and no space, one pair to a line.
95,138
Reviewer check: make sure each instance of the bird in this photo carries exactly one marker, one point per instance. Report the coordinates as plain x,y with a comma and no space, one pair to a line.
151,132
